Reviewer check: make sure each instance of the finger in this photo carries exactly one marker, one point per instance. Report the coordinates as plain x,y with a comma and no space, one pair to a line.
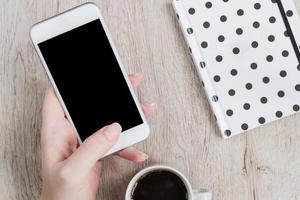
135,79
93,148
52,115
95,177
148,108
133,155
52,109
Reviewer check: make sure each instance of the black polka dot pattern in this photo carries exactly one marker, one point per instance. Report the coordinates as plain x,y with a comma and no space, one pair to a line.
236,50
192,11
244,126
253,66
278,114
227,132
266,79
246,106
296,107
221,38
261,120
239,31
283,73
286,34
229,112
254,44
285,53
215,98
271,38
202,64
248,86
264,100
206,24
233,72
272,20
280,93
219,58
244,47
256,24
231,92
204,44
257,6
270,58
190,30
289,13
217,78
208,4
223,18
240,12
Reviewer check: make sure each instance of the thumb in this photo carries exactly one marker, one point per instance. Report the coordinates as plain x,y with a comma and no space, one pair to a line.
93,148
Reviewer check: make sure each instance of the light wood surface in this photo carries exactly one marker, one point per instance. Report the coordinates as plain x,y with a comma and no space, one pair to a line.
262,164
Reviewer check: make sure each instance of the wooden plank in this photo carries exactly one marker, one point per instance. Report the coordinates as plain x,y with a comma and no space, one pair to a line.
263,164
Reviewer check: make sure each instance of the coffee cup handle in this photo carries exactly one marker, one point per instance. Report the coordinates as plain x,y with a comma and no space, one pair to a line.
202,194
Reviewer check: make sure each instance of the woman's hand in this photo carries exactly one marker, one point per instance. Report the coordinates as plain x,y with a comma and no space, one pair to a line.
71,173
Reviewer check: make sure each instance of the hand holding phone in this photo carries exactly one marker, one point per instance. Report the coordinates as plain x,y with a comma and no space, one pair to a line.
63,164
91,89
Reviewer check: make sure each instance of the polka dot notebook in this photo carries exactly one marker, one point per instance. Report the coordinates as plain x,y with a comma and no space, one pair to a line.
247,56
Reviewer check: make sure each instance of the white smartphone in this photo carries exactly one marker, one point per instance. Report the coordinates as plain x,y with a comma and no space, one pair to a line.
83,65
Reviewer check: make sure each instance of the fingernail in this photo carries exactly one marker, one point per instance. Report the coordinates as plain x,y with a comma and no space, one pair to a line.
112,132
143,155
153,105
140,75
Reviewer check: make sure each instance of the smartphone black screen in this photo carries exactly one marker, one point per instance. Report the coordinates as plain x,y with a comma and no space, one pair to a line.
89,79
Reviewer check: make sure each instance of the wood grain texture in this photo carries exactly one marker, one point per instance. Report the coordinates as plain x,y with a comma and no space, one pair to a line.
263,164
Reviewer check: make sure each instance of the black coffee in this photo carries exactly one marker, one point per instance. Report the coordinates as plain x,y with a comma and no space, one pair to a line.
160,185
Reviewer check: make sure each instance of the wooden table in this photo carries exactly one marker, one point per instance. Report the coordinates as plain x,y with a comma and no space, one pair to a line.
262,164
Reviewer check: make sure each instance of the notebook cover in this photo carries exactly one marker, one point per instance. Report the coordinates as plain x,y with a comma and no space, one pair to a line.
247,56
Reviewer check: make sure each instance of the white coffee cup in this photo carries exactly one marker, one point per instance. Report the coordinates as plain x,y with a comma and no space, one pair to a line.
198,194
